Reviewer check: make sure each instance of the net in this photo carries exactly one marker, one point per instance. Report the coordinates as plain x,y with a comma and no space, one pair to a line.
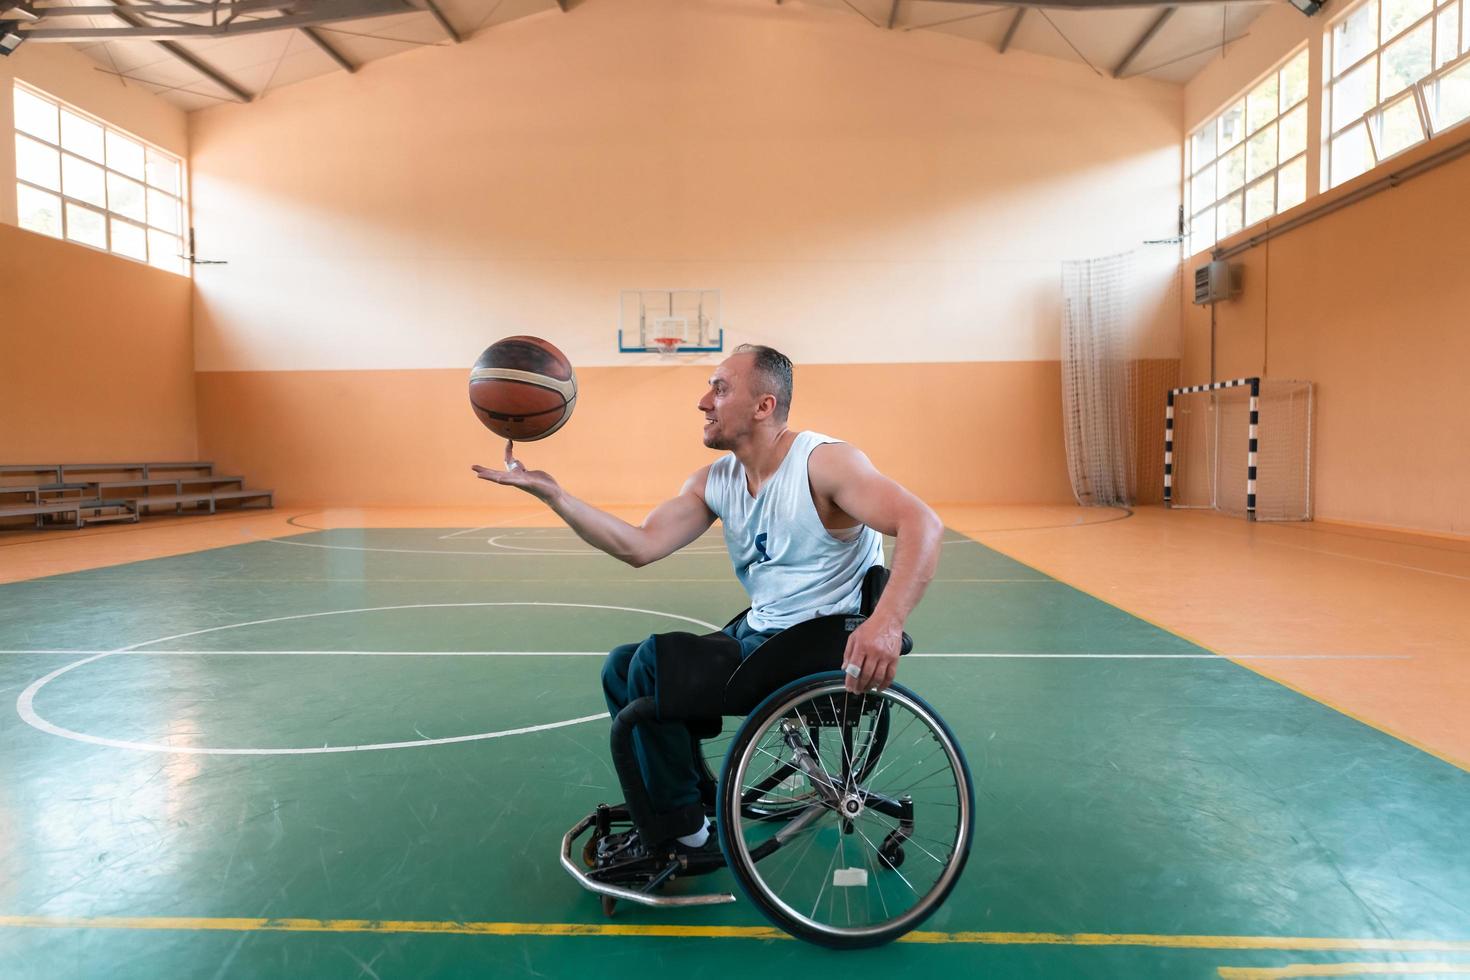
1119,322
1212,448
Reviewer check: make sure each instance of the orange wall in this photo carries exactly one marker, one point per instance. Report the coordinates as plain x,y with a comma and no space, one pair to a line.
971,431
1371,304
861,198
98,355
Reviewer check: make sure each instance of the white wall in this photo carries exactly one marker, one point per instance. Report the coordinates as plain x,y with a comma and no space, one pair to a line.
858,195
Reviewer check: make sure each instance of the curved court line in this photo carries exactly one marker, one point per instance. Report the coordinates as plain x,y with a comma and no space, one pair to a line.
25,704
1127,513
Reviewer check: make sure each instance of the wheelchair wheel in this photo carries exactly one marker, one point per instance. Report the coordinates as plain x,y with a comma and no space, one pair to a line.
785,791
879,831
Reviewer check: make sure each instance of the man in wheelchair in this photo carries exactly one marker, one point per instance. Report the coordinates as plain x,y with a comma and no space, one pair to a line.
803,517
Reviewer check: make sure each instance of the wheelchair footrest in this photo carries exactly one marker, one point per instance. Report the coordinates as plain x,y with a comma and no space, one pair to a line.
584,875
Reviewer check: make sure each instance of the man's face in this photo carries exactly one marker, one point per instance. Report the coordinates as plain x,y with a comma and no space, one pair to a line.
730,404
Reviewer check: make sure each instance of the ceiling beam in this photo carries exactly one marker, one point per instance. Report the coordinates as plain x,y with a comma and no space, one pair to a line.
1142,42
238,8
893,14
444,21
328,50
304,15
193,61
1005,42
1110,4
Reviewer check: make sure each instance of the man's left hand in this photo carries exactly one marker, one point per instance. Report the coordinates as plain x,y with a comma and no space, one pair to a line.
873,648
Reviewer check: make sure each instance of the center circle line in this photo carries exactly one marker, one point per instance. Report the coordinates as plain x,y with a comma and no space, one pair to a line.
25,703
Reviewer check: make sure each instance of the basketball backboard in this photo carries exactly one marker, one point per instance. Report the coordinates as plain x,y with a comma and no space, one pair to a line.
670,321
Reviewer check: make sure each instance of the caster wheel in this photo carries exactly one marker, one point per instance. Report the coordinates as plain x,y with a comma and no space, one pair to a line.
891,852
609,905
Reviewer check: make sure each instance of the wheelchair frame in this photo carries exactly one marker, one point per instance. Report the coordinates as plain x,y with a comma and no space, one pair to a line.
696,672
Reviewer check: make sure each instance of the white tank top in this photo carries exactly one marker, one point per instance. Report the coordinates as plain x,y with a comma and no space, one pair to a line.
791,566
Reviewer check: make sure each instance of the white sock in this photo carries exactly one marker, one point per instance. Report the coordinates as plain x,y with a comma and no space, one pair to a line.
697,838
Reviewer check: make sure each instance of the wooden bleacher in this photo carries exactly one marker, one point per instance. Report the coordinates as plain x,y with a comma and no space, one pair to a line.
77,494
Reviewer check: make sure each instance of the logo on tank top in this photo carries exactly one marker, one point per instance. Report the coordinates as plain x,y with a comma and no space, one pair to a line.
760,547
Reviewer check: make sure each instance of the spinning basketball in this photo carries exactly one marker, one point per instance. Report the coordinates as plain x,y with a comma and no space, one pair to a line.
523,388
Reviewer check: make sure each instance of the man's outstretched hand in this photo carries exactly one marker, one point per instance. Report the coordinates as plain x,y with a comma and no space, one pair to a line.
538,483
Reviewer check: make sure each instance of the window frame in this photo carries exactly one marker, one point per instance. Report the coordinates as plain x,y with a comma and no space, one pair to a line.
1193,169
180,265
1415,91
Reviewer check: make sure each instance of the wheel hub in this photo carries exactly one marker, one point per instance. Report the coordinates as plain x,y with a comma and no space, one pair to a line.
851,806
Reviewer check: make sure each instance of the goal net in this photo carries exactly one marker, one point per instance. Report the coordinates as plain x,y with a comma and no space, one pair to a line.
1242,447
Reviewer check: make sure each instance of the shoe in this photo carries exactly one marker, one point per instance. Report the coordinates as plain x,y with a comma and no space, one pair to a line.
704,858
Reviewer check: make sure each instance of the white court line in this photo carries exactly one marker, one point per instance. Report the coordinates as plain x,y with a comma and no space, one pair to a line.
496,542
603,653
452,534
26,708
506,553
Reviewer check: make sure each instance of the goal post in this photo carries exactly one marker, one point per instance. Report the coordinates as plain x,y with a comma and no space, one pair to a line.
1241,447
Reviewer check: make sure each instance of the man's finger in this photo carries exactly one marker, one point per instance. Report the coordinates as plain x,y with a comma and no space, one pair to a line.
889,672
510,454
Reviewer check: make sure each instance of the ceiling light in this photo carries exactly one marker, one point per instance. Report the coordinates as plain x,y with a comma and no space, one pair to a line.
10,36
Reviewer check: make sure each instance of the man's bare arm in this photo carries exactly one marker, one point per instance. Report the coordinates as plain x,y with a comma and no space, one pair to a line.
667,528
842,474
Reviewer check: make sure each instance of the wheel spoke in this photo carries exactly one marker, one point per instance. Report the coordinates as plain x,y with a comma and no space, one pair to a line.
895,870
779,774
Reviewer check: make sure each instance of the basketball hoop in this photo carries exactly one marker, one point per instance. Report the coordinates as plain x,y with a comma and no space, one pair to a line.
667,346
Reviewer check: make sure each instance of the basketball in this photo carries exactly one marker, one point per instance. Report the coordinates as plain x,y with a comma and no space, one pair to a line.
523,388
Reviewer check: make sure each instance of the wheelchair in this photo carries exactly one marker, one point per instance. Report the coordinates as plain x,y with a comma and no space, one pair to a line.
845,818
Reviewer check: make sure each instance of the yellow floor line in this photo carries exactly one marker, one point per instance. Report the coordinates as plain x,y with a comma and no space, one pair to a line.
1340,970
431,927
1442,757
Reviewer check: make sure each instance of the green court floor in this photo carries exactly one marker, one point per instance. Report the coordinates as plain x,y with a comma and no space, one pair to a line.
1144,808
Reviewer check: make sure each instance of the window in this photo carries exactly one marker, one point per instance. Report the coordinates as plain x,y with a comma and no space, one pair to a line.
1250,161
1396,72
79,179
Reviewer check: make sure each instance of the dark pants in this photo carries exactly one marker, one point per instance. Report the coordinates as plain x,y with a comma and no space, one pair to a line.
665,752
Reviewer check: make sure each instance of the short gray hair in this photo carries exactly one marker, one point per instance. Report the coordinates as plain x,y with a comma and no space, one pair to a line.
774,370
